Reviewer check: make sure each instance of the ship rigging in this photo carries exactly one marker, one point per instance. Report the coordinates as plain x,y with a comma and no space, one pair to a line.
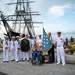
22,19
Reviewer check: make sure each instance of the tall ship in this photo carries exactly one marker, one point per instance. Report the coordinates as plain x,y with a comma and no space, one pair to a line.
21,21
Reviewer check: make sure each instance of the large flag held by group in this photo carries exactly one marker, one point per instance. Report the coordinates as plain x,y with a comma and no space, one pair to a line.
46,42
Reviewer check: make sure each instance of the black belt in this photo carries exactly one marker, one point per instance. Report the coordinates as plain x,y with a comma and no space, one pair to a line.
59,46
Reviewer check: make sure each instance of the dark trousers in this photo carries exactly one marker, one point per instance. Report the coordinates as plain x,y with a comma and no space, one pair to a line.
36,54
51,52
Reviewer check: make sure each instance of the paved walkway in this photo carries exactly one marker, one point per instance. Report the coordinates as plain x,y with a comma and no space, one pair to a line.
26,68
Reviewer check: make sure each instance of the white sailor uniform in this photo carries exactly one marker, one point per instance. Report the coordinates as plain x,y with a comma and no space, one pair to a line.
12,50
30,41
17,49
6,45
60,50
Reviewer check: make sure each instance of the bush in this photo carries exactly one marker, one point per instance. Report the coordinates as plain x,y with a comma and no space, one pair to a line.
72,43
1,46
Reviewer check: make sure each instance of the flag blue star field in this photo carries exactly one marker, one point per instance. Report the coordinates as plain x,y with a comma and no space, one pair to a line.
46,42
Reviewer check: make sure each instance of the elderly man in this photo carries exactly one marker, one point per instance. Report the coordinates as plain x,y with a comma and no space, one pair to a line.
20,51
51,51
25,47
36,53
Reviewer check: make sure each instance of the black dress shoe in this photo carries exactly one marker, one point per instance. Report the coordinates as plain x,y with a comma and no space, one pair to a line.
23,60
7,61
4,61
27,60
12,60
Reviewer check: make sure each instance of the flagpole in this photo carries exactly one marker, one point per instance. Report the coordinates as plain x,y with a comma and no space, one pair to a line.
42,26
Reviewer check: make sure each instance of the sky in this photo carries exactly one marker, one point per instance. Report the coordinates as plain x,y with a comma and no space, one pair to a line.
56,15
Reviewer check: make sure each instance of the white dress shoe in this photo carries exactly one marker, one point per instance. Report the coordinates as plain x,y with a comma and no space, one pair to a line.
58,62
63,64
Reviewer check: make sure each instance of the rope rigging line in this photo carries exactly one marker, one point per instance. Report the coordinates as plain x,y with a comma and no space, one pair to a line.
2,3
8,7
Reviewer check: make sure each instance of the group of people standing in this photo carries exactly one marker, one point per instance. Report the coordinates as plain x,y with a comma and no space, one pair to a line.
19,48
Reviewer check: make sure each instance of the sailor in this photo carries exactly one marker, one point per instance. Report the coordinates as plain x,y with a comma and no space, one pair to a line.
6,48
17,49
60,48
39,41
30,42
51,51
12,49
25,47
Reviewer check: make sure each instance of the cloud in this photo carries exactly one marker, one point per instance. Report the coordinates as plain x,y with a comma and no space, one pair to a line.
57,11
2,29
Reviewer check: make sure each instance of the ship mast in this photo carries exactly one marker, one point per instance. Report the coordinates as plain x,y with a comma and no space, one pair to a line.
23,15
22,18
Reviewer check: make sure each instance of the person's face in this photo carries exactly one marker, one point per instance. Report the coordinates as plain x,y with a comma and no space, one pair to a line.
49,34
26,36
20,36
59,35
17,39
13,39
35,45
34,37
6,38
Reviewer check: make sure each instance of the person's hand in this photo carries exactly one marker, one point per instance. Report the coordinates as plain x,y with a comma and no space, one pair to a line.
30,51
53,43
9,49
